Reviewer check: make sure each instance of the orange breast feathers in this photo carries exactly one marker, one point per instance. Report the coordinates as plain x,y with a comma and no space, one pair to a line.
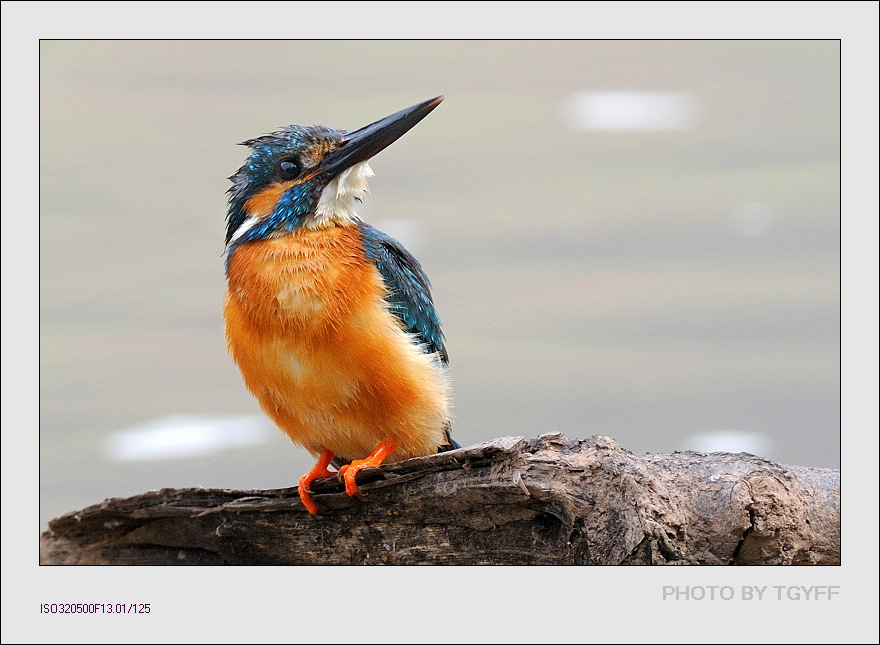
308,325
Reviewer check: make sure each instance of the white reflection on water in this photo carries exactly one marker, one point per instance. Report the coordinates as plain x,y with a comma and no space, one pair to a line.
632,111
186,436
730,441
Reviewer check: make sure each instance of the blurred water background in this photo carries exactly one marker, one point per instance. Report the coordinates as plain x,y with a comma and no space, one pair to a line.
634,238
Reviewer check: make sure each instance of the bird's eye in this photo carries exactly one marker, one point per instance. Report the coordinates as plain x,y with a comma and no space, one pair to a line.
288,169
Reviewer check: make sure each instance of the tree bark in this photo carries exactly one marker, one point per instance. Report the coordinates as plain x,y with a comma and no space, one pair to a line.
550,500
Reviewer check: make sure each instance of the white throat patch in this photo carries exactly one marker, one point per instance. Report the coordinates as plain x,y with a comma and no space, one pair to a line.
341,196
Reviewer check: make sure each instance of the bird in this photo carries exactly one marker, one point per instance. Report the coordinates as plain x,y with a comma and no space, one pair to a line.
331,321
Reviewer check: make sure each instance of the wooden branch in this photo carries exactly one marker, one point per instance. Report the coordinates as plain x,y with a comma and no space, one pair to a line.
550,500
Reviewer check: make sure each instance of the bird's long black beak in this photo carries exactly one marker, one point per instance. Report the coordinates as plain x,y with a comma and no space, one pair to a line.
370,140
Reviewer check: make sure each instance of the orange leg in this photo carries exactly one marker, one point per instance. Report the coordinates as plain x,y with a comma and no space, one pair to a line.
318,471
385,448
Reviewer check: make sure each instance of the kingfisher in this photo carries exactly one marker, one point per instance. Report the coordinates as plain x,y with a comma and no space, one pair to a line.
330,320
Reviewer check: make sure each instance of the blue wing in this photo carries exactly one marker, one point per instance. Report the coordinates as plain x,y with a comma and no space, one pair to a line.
409,288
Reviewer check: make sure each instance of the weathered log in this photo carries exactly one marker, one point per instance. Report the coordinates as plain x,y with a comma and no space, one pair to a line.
550,500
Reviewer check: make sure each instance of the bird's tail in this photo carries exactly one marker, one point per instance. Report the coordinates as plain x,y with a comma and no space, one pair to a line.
451,444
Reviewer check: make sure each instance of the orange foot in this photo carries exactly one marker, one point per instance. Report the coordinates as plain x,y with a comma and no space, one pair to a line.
348,472
318,471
